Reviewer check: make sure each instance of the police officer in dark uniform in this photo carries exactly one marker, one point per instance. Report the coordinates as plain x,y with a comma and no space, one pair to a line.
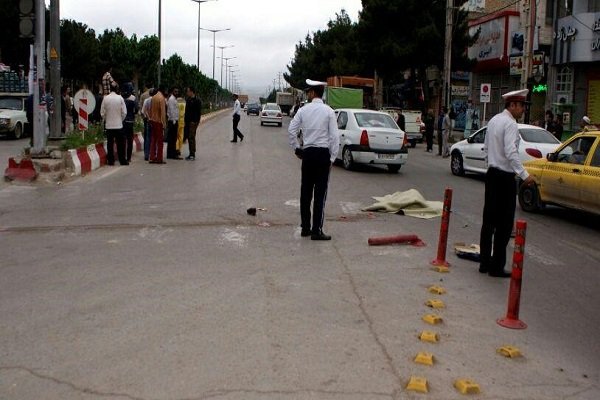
320,147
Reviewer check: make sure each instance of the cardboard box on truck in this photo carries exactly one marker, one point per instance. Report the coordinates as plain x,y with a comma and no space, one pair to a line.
285,101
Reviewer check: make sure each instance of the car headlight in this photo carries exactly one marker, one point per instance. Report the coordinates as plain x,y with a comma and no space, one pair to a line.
4,121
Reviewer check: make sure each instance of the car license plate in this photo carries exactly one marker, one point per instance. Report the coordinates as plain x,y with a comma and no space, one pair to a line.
386,156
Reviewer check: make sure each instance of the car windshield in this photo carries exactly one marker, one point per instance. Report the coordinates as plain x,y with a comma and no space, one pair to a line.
372,120
538,136
272,107
8,103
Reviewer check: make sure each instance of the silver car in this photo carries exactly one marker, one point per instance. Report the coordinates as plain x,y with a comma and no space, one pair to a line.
271,114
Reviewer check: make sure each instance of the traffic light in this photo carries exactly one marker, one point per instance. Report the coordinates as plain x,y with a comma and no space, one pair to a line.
26,18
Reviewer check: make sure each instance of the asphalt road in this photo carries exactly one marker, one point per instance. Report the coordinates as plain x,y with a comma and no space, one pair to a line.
152,282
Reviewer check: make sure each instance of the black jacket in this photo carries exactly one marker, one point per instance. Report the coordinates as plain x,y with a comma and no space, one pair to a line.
193,110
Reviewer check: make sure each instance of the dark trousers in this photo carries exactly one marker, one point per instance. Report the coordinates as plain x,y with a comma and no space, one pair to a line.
115,136
236,131
498,218
128,132
147,139
172,139
440,140
429,139
156,142
192,127
316,165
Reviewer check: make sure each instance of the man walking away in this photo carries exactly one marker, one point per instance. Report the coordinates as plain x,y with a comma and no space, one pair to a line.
447,126
321,144
193,109
429,127
502,151
173,115
237,111
401,121
158,121
113,111
131,105
145,111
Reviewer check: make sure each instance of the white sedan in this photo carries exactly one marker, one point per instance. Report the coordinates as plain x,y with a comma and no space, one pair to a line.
468,154
271,114
370,137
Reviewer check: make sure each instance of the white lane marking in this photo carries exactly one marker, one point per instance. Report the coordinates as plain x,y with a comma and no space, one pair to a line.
293,203
234,236
155,234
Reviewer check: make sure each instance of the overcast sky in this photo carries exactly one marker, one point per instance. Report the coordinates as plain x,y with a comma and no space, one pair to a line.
263,32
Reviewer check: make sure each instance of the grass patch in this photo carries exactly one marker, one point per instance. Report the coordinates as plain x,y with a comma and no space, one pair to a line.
77,138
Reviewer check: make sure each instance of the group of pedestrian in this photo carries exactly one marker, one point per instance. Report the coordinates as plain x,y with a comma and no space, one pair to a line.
553,124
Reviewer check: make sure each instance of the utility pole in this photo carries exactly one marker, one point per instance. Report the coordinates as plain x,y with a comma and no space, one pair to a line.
529,8
159,38
55,119
39,82
447,89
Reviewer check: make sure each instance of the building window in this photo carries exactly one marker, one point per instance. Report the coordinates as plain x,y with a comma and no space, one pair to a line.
549,12
565,8
564,83
593,5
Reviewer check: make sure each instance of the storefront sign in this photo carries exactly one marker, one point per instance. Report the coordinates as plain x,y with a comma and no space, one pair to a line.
574,41
460,91
593,100
539,88
492,47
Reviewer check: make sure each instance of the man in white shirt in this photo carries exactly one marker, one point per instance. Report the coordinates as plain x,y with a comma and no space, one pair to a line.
172,125
502,150
237,111
113,112
320,147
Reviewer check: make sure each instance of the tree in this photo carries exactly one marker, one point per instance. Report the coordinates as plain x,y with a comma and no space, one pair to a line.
334,51
79,52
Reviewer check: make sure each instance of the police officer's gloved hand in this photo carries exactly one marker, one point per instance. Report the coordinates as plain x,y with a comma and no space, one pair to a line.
298,153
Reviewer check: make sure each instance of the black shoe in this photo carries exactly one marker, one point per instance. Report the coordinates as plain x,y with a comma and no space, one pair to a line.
499,274
319,236
483,269
190,158
305,233
242,139
124,163
233,141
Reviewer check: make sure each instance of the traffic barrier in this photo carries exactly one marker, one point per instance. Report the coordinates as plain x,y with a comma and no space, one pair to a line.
413,240
83,114
21,171
514,294
443,240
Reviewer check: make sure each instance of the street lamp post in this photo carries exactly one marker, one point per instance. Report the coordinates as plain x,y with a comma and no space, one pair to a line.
199,4
223,48
231,72
159,37
226,71
214,32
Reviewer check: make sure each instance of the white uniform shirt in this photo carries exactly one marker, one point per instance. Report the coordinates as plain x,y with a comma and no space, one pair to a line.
172,109
502,144
146,108
319,127
113,111
237,108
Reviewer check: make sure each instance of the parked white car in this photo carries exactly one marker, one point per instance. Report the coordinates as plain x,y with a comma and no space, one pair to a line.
468,155
13,117
271,114
370,137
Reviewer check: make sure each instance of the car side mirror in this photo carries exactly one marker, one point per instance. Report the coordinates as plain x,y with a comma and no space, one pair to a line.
470,139
551,156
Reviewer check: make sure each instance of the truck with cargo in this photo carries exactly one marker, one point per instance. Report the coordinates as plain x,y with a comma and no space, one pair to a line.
285,101
340,97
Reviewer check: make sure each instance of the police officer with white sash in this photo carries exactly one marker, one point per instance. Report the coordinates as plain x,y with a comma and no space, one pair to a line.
320,147
502,153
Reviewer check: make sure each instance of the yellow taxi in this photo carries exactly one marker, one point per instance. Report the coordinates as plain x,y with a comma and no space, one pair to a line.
569,177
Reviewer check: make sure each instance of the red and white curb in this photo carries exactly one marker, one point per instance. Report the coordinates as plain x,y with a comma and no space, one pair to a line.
87,159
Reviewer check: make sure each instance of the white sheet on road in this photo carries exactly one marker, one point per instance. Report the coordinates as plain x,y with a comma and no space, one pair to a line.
409,202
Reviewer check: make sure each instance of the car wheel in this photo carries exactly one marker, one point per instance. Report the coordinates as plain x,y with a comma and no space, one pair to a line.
347,158
394,168
456,164
18,132
280,124
529,198
262,123
413,143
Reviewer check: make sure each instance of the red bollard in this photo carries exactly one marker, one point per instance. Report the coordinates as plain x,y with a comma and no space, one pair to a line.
413,240
443,242
514,294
